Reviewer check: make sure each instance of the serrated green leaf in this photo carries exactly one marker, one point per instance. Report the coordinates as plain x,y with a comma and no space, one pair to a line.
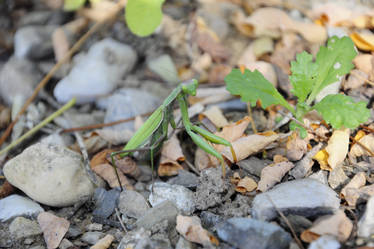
304,72
340,110
334,61
302,131
252,86
143,16
72,5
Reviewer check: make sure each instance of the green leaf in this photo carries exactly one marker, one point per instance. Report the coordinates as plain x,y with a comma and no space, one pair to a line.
304,72
252,86
340,110
143,16
72,5
302,131
334,61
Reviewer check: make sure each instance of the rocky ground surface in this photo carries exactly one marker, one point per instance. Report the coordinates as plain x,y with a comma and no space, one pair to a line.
59,189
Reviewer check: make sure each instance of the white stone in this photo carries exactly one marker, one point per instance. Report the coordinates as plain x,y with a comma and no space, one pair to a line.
96,73
366,223
16,205
50,174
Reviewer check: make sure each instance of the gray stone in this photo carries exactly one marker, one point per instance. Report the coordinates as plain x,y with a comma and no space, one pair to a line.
65,244
94,227
92,237
22,227
184,244
33,42
246,233
132,204
18,78
105,202
325,242
73,232
305,164
185,179
366,223
164,67
212,189
96,73
16,205
254,165
210,220
141,239
321,176
309,197
337,178
182,197
52,175
163,211
136,102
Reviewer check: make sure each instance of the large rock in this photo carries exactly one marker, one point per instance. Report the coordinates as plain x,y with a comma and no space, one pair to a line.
52,175
306,197
96,73
246,233
18,77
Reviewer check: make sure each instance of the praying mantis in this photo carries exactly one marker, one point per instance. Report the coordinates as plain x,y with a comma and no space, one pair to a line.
155,128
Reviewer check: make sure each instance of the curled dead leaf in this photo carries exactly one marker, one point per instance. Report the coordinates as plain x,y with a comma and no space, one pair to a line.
215,115
296,147
368,142
358,181
337,225
272,174
337,148
248,145
364,41
168,167
190,228
106,171
246,185
101,157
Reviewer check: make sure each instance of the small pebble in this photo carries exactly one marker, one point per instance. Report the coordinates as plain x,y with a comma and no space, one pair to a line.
22,227
16,205
92,237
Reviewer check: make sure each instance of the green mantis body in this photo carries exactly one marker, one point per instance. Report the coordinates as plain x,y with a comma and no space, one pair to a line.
155,129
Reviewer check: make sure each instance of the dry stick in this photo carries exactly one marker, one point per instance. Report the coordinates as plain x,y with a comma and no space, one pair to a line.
97,126
249,108
120,220
299,243
40,125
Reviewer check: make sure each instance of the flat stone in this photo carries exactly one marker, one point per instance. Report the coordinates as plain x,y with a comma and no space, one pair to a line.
96,73
22,227
52,175
185,179
254,165
163,211
366,223
182,197
105,202
246,233
33,42
132,204
325,242
54,228
137,102
16,205
309,197
23,75
337,178
184,244
92,237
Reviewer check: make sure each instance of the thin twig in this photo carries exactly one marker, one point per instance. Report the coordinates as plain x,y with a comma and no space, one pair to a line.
192,167
120,220
97,126
299,243
249,108
363,146
40,125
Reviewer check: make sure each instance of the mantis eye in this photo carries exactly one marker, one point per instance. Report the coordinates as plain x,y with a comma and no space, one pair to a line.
190,87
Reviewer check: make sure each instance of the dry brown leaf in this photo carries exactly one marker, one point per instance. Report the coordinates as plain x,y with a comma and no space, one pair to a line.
5,116
61,43
353,195
322,156
100,157
248,56
103,243
191,229
333,13
337,225
355,80
272,174
175,32
218,72
358,181
296,147
54,228
6,189
363,62
172,149
337,148
208,40
168,167
368,142
363,41
127,165
107,172
215,115
246,185
263,45
248,145
272,22
202,160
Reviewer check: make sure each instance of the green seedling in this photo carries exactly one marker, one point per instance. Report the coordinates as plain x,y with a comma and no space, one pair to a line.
155,129
308,78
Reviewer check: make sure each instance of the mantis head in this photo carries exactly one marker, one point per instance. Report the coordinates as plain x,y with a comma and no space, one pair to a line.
189,87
